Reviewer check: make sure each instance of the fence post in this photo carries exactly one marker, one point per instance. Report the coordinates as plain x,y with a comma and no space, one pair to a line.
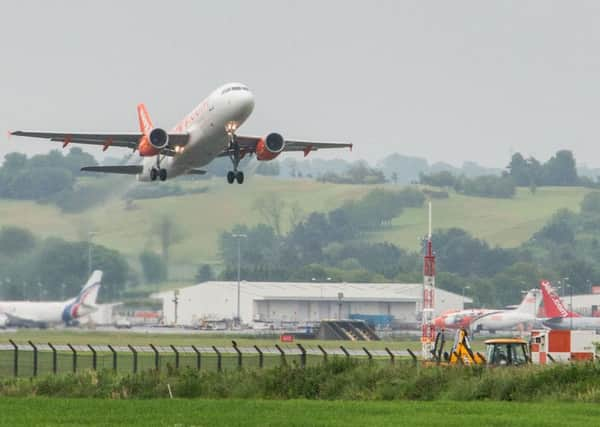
198,357
283,361
368,353
219,361
261,357
16,358
176,356
54,359
156,357
94,357
413,355
323,351
35,358
135,361
74,357
302,355
114,357
392,355
239,354
345,351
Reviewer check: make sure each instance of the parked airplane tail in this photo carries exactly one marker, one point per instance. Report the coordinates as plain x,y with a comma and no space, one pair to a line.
553,306
530,303
85,302
89,292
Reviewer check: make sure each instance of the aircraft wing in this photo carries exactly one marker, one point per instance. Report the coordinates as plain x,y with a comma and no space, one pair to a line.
129,140
248,145
123,169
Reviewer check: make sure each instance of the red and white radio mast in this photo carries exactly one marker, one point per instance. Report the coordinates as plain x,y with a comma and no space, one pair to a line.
427,327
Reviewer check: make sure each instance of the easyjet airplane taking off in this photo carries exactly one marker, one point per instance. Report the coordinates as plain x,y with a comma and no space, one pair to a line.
206,133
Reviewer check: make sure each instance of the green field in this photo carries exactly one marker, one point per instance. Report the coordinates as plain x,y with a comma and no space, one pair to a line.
83,336
203,216
502,222
76,412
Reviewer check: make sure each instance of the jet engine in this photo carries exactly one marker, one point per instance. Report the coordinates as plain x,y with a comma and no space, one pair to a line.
159,138
268,148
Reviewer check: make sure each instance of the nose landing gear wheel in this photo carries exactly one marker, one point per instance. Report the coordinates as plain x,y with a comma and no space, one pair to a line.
239,177
153,174
162,174
230,177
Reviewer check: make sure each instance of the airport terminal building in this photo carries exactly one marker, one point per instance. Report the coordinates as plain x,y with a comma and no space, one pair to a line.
285,303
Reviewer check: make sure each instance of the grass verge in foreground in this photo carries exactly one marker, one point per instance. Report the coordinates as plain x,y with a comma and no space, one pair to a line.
49,412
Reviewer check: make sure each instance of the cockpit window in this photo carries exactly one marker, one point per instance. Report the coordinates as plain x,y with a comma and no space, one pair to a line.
230,88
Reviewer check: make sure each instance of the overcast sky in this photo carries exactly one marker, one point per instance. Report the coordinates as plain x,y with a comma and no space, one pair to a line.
446,80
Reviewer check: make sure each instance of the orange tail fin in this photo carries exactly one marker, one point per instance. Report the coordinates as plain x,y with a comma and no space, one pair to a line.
144,119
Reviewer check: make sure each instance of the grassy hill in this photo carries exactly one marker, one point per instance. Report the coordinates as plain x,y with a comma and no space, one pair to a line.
502,222
201,217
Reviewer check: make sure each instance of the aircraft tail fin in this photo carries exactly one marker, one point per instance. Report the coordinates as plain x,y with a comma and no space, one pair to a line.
89,292
553,306
144,119
530,302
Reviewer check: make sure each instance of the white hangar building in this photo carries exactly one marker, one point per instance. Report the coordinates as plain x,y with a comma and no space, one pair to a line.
283,302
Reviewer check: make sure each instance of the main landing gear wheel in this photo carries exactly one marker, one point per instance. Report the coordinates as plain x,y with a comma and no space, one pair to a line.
230,177
153,174
235,156
239,177
162,173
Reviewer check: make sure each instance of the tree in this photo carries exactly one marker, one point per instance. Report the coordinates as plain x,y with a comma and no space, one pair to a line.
270,206
561,169
519,170
168,233
204,273
154,267
15,241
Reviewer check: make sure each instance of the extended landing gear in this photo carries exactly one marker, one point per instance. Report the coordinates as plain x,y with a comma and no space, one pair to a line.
235,176
158,172
235,156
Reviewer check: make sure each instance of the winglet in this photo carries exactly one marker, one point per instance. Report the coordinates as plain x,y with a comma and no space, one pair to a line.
144,119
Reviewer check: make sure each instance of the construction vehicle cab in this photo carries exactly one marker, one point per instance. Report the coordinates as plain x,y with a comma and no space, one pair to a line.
506,352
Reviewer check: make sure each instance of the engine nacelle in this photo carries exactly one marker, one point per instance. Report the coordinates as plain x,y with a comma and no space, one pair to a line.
270,147
158,138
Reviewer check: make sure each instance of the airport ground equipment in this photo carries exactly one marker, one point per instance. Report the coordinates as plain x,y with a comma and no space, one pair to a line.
352,330
507,352
562,346
460,353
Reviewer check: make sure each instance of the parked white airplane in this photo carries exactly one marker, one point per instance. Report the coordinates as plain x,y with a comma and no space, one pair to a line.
558,317
43,313
524,315
206,133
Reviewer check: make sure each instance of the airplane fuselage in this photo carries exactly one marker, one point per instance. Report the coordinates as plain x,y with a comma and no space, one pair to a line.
583,323
209,126
32,313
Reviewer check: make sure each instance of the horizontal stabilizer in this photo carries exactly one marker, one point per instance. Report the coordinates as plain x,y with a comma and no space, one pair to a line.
125,169
196,172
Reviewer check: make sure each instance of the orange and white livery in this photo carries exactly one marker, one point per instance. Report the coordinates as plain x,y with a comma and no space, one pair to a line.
208,132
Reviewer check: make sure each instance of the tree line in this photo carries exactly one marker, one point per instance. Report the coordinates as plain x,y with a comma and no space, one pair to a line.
335,246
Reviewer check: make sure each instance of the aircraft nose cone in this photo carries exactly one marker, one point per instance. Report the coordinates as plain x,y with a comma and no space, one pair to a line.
438,322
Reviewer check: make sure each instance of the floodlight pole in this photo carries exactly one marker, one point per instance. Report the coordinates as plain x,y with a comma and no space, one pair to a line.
239,238
90,235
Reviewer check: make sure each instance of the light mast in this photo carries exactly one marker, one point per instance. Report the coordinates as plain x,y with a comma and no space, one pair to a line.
427,326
